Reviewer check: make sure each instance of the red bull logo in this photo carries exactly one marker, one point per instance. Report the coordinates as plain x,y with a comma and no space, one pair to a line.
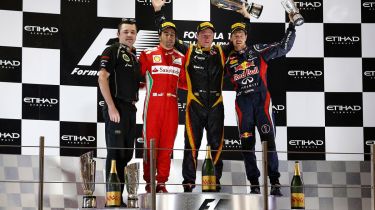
246,135
244,65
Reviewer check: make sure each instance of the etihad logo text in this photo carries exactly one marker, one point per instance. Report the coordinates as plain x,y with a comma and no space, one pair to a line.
369,4
101,103
305,74
344,109
306,143
9,136
41,102
148,2
369,74
232,143
165,70
278,108
41,30
308,5
81,72
342,39
9,64
73,139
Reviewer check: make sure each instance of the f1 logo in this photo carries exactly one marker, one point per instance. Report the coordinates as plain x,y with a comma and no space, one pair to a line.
212,204
207,204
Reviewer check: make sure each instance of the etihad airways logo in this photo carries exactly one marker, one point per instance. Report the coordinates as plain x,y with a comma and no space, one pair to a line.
344,40
232,143
370,74
5,136
76,139
344,109
40,102
278,108
306,143
370,5
305,74
165,70
9,64
308,5
41,30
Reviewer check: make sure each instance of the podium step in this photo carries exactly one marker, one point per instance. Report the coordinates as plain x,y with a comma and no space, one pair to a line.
214,201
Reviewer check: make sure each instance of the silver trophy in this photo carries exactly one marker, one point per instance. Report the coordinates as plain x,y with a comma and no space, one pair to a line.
132,184
253,9
88,168
291,9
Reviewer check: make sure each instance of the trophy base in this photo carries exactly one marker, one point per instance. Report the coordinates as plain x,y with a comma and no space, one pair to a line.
89,201
133,203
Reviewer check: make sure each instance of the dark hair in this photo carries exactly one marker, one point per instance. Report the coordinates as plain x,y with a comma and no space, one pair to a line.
130,21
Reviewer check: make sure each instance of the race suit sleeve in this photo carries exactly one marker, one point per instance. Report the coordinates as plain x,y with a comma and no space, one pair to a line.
179,44
277,49
182,84
107,60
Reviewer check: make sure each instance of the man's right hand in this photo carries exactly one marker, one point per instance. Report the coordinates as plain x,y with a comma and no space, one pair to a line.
243,11
114,115
157,4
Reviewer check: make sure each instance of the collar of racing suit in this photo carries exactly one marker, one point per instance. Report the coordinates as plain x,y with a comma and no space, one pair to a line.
165,51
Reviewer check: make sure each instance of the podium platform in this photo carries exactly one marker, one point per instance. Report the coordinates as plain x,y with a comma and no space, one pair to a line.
214,201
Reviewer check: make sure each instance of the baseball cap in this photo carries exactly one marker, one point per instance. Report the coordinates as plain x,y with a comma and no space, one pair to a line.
167,24
238,26
205,25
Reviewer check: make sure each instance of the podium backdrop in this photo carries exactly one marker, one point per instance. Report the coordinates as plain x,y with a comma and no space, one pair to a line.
323,90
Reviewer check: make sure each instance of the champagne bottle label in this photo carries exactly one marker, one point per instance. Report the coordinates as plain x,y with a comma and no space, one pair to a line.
298,200
209,183
113,198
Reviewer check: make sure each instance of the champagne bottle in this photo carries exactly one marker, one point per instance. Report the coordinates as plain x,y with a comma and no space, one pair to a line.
113,188
208,173
296,189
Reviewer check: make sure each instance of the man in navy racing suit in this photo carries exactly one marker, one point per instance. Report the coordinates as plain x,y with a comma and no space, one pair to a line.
247,67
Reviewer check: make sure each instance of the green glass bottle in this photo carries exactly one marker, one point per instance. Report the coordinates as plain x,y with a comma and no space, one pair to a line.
296,189
208,173
113,188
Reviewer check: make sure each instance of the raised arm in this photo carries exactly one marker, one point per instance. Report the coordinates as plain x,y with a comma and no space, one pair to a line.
278,49
160,18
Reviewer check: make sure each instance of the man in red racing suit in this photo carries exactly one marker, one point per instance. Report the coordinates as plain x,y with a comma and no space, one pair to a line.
164,70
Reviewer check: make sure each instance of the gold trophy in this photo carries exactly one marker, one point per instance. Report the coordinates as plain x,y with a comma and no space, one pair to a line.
88,167
132,184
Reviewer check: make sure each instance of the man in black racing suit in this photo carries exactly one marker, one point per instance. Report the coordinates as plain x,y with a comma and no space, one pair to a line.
204,107
247,67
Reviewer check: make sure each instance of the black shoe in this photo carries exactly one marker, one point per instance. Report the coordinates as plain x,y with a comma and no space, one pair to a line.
255,190
188,187
123,205
275,190
218,186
